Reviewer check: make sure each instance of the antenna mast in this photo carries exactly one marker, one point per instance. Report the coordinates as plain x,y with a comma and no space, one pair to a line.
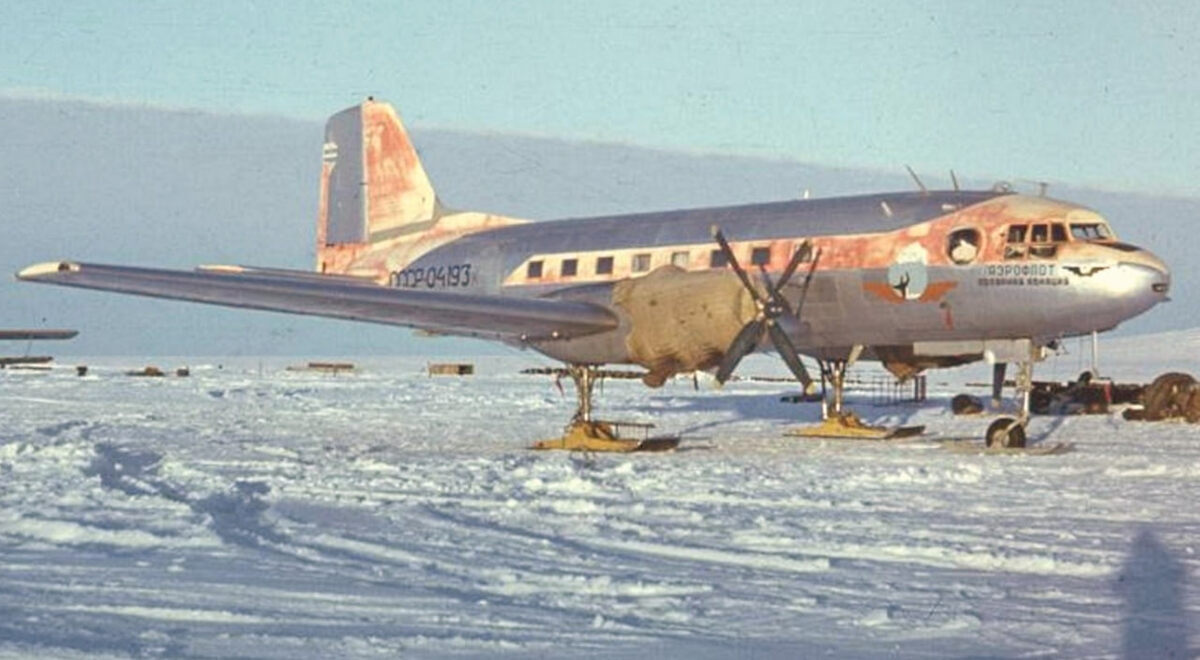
924,190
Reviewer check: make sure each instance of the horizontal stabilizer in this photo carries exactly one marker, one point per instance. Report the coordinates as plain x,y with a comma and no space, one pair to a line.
334,297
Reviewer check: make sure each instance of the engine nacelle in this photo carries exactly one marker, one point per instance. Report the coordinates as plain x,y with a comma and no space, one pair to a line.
672,321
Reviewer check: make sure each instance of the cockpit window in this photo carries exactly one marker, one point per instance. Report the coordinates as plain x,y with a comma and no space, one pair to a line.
1090,231
1016,242
1040,246
1043,240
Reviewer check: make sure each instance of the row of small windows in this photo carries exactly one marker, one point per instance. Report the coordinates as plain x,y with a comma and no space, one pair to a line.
1039,241
640,263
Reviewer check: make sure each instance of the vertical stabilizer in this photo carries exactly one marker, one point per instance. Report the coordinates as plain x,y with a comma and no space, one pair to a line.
373,186
377,210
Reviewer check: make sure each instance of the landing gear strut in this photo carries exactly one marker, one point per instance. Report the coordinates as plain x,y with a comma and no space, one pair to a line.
1009,432
584,433
836,420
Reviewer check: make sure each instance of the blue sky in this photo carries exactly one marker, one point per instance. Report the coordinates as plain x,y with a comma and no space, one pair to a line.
1089,93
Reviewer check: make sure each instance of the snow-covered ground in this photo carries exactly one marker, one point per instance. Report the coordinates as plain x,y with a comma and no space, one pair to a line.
251,511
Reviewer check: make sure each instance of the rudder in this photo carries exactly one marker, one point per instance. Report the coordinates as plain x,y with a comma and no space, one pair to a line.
373,186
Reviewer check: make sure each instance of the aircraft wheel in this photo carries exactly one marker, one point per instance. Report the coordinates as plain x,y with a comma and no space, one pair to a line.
1167,395
1006,432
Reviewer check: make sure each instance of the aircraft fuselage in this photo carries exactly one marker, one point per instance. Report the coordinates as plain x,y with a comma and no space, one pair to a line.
896,272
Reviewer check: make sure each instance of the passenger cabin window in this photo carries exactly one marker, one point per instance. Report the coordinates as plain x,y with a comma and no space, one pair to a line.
1040,234
963,245
570,267
641,262
604,265
1016,233
717,259
760,256
534,270
679,259
1058,233
1090,231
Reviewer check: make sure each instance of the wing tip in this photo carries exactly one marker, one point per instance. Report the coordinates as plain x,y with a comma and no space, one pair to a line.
46,270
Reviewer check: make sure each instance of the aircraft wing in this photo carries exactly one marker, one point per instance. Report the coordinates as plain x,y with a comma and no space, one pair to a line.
12,335
339,297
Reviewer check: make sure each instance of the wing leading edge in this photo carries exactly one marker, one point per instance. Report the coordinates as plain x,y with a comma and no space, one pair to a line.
334,297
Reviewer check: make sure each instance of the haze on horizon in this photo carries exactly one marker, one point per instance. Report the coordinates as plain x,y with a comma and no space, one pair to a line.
1097,95
173,136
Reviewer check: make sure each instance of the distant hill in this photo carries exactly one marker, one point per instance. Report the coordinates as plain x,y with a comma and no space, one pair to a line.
134,185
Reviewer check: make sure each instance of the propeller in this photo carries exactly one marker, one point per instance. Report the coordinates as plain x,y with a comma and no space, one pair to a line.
770,307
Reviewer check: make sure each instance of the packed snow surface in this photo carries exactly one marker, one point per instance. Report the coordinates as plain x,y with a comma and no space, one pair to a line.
249,511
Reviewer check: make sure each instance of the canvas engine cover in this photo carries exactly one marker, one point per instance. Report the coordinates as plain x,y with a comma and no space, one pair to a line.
682,321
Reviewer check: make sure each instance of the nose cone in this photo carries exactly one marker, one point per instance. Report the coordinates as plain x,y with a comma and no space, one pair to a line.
1154,270
1139,281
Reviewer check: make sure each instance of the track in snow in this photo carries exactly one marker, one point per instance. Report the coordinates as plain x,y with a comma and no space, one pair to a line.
302,515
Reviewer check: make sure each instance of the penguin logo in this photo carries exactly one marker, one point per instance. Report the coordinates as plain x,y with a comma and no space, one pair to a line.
908,277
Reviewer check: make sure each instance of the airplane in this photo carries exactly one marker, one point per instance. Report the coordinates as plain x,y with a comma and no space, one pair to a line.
915,279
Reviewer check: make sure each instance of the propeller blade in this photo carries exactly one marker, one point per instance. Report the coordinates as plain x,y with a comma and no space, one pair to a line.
787,350
797,257
733,263
774,295
742,345
807,280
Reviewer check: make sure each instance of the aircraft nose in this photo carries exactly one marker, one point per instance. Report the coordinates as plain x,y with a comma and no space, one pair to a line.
1155,270
1140,278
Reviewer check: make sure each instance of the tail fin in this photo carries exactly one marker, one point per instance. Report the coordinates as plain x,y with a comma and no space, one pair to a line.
377,204
372,184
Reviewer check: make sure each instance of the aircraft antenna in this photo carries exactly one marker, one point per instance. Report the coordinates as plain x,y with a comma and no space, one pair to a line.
1042,186
954,180
924,190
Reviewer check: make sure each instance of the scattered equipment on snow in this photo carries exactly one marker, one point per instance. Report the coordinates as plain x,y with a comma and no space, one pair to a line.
1173,395
965,404
324,367
450,369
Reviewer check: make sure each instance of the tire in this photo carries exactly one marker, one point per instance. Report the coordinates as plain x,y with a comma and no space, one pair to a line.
1006,432
1167,396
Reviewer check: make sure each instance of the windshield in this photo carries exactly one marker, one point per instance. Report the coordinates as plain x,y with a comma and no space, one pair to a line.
1090,231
